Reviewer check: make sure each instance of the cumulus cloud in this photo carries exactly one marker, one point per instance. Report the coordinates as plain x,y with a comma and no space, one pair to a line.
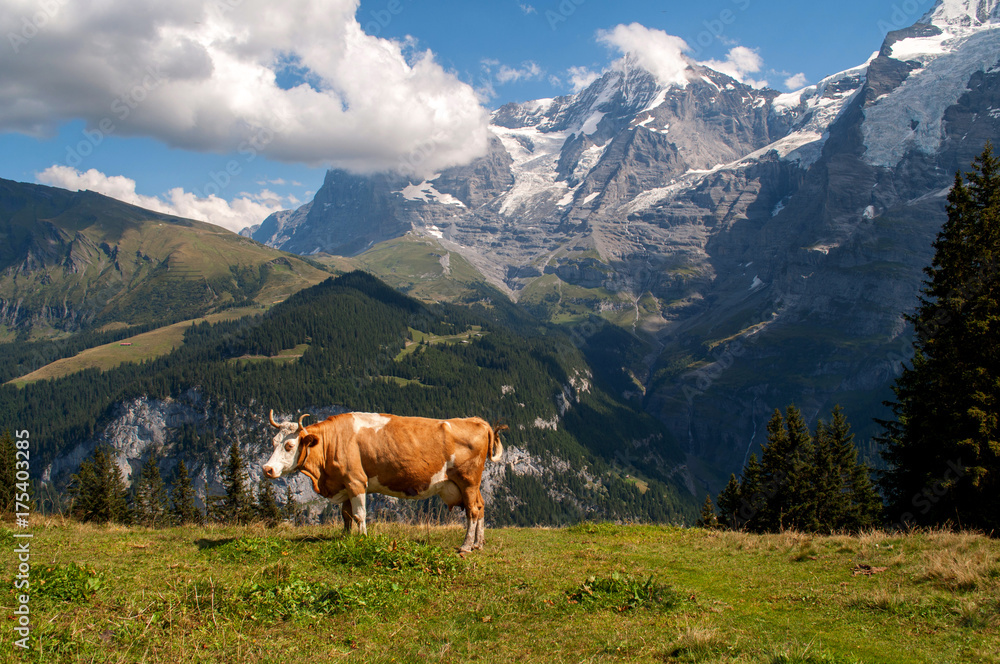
796,81
493,74
527,9
739,63
297,81
245,210
581,77
654,50
526,72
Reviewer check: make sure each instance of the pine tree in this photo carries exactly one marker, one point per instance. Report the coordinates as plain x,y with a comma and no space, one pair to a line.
730,501
150,503
847,499
786,464
8,472
290,508
707,518
98,490
236,506
184,510
752,497
267,505
943,447
863,507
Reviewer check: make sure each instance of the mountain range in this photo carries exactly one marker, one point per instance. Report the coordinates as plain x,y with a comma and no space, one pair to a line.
700,251
759,248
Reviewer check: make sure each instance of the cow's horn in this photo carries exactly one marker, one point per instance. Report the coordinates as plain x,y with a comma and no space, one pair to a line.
304,416
270,417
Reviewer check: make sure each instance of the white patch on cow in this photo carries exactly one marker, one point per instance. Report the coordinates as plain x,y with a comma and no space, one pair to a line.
369,421
441,475
282,461
340,497
358,512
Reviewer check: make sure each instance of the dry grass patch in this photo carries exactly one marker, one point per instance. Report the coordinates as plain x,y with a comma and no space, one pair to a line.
960,569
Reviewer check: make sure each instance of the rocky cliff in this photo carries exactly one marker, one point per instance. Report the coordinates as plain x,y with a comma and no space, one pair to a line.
760,247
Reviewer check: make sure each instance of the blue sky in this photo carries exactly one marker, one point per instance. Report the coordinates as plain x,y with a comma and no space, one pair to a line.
165,118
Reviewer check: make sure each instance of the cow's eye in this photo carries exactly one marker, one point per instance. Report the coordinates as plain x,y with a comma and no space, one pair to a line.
289,445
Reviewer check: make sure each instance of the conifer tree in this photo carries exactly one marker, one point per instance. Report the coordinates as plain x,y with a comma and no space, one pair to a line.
98,490
184,509
236,506
858,504
943,447
730,501
752,496
708,518
785,464
150,503
290,507
267,505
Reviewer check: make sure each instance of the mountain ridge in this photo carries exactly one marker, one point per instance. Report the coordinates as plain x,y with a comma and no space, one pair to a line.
712,216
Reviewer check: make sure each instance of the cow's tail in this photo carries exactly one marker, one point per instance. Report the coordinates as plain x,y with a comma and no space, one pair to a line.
496,447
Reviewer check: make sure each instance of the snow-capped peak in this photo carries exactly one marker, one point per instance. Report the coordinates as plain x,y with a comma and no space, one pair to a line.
963,13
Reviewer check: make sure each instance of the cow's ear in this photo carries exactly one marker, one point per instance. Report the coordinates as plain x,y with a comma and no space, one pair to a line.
310,440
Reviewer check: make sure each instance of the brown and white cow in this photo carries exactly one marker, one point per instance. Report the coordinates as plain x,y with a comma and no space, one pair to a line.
347,456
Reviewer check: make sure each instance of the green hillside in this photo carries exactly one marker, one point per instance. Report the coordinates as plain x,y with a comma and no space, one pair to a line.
588,593
80,261
349,335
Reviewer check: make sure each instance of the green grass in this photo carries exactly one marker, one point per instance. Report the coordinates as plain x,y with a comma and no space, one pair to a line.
593,592
147,346
419,338
287,355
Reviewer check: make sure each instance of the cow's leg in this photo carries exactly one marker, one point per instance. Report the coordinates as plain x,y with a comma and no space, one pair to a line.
480,533
345,511
358,514
474,514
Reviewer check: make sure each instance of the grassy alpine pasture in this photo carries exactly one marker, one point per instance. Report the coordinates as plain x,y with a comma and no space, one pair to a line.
588,593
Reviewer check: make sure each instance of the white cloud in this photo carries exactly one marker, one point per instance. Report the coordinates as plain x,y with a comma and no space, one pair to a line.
245,210
654,50
527,72
204,76
581,77
528,9
796,81
739,62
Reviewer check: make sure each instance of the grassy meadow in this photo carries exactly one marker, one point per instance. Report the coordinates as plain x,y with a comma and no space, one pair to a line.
588,593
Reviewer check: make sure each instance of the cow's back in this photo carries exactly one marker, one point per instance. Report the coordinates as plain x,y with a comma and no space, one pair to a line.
408,454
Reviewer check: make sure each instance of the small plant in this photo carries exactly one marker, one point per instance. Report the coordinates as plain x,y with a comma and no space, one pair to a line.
595,528
67,583
623,593
382,553
251,548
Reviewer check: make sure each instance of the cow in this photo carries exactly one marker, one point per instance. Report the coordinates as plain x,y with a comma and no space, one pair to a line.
353,454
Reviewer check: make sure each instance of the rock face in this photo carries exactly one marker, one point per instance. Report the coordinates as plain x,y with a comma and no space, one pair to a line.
768,244
143,426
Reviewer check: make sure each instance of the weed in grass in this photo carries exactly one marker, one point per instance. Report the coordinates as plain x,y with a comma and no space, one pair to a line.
247,549
383,553
595,528
881,601
66,583
696,644
622,592
972,616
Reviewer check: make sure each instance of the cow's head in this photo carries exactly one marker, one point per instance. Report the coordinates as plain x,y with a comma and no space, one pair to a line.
290,446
